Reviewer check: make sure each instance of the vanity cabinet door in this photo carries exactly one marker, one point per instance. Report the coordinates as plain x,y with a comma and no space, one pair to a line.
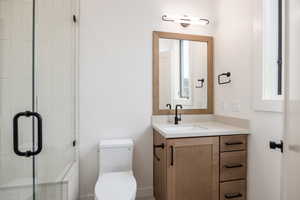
193,168
159,167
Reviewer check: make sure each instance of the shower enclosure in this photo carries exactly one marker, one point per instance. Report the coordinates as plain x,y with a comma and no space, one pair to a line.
37,99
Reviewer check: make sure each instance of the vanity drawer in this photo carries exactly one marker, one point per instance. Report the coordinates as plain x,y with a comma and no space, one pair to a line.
233,165
233,143
235,190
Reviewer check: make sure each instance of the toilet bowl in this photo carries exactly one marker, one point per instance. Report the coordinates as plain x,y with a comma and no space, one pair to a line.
116,180
116,186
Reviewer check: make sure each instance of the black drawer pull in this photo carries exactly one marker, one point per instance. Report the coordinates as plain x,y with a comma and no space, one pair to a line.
233,195
233,143
230,166
162,146
172,155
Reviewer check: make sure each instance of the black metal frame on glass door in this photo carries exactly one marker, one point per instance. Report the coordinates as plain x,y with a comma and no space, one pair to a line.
280,46
33,100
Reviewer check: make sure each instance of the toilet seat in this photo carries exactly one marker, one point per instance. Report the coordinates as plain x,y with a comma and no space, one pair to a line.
116,186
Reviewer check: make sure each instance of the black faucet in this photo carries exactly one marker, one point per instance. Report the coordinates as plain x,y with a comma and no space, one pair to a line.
177,117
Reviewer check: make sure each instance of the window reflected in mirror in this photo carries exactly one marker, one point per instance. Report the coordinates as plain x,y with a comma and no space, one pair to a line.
183,68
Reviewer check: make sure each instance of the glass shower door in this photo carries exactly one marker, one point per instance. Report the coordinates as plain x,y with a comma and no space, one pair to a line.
37,98
17,103
55,89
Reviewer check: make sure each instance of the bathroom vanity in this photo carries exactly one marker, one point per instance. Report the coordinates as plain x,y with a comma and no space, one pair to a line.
194,159
203,161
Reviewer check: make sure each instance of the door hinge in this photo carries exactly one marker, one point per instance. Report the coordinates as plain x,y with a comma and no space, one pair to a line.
74,18
74,143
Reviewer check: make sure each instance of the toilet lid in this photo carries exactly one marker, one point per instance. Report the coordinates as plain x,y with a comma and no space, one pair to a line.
116,186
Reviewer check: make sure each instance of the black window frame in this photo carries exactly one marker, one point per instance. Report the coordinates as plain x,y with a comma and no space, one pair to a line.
280,47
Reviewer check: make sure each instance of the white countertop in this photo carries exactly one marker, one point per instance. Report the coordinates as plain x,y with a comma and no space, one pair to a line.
198,129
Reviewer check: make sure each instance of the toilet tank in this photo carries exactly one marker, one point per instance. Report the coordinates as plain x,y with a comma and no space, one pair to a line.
115,155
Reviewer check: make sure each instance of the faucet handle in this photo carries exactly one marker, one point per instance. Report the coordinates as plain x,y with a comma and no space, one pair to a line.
170,111
169,106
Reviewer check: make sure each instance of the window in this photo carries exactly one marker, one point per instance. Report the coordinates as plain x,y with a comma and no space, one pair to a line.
184,70
272,50
268,54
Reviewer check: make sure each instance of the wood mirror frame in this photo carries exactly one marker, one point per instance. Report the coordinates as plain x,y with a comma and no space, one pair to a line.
200,38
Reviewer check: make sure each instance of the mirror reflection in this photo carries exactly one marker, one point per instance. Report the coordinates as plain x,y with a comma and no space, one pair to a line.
183,68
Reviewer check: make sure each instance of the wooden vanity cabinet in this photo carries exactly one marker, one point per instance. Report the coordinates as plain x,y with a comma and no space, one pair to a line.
159,167
233,167
193,168
186,169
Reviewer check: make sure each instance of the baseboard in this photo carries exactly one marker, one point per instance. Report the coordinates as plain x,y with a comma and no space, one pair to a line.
145,193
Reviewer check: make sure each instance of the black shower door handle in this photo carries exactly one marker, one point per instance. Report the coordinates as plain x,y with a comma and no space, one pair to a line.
16,133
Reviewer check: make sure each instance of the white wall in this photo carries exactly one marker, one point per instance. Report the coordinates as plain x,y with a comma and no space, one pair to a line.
233,42
116,76
291,164
235,52
116,82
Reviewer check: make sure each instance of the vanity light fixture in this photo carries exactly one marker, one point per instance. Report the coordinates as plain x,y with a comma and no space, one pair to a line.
185,20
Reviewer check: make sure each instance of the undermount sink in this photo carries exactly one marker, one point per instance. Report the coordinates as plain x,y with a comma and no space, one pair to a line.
183,128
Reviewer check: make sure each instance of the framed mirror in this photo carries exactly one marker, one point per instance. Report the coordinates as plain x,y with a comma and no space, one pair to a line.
182,73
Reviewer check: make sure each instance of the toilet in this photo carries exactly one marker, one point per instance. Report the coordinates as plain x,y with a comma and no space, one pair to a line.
116,180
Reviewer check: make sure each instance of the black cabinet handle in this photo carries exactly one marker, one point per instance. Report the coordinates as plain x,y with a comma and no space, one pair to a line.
230,166
233,143
233,195
16,133
162,146
172,155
